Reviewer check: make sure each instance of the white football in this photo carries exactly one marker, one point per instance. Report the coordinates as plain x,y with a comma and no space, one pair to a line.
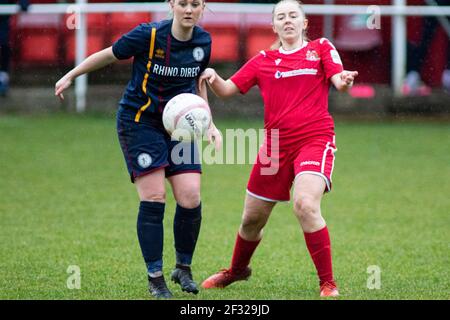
186,117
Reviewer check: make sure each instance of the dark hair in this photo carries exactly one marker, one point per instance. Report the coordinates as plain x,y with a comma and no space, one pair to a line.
277,44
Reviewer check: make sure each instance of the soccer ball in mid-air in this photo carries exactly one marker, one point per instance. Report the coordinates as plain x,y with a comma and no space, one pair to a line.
186,117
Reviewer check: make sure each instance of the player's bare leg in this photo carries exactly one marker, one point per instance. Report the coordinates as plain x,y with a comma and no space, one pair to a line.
255,216
151,187
187,221
308,192
186,189
151,190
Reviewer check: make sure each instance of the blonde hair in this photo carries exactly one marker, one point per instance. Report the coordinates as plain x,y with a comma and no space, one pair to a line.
277,44
170,13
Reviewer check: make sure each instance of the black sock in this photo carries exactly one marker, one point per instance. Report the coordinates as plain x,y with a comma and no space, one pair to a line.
186,228
151,234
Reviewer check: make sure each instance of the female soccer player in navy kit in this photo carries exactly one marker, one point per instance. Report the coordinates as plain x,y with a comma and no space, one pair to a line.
168,56
294,82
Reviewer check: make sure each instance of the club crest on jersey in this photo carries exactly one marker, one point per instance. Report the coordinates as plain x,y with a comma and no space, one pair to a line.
144,160
198,54
312,55
277,62
159,53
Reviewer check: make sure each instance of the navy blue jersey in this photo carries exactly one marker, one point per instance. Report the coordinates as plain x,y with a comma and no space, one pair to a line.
163,67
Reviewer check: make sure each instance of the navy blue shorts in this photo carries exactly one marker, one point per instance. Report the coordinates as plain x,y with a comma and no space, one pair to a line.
146,147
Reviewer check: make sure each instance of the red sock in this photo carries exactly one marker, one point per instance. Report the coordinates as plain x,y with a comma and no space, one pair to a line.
242,253
319,247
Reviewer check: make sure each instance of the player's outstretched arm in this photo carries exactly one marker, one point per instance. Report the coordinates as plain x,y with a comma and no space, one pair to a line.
94,62
221,88
214,135
344,80
201,89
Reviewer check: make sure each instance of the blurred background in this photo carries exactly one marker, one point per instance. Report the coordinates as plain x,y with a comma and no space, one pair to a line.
43,47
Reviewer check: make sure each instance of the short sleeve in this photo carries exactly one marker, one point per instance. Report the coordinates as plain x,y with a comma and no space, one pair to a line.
247,76
331,60
132,43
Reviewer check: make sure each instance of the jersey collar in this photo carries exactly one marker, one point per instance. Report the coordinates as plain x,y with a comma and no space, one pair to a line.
281,50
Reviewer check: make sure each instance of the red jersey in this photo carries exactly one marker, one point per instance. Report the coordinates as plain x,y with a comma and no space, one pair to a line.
294,86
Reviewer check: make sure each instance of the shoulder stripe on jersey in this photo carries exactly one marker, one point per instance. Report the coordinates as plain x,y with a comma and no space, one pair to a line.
144,82
322,40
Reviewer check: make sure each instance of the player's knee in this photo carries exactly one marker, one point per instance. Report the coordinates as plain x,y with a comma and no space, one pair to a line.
306,208
189,199
153,196
252,222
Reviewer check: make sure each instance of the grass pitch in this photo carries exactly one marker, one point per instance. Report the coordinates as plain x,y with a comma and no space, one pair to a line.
65,200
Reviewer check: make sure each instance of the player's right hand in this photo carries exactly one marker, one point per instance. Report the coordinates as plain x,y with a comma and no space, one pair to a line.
209,74
62,85
348,77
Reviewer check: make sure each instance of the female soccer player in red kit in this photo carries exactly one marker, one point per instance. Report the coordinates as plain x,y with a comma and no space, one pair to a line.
294,83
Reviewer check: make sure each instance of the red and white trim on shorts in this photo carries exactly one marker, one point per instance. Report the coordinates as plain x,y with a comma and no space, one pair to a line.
263,198
324,157
327,182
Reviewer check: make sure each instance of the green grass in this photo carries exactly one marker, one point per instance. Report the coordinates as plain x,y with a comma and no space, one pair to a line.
65,200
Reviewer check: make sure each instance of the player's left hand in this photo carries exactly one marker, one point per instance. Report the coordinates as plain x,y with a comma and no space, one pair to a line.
209,74
348,77
214,136
62,85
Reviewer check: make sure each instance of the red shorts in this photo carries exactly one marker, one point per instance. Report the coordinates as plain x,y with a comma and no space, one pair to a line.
272,177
